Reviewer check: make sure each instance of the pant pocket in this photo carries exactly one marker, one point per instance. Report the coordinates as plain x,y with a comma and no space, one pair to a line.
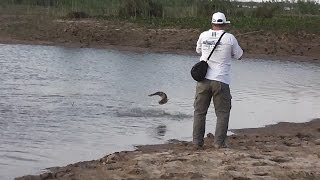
222,100
225,91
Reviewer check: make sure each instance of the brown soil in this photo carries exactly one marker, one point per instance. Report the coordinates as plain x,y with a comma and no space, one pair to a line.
124,35
281,151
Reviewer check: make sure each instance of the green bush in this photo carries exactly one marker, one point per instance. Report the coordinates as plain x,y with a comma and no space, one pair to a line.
207,8
308,7
267,10
36,2
140,8
262,12
245,16
77,15
156,9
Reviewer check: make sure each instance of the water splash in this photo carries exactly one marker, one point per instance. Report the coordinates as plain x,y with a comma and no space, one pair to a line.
154,113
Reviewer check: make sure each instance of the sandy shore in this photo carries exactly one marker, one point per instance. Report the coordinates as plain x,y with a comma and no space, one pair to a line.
281,151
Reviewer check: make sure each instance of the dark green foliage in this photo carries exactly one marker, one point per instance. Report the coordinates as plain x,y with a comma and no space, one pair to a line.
207,8
244,16
156,9
36,2
140,8
267,10
308,7
77,15
17,1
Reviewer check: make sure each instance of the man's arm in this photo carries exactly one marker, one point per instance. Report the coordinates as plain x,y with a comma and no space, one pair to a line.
237,52
199,45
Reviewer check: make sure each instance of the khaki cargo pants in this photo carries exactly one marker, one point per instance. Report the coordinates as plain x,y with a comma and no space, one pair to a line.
220,94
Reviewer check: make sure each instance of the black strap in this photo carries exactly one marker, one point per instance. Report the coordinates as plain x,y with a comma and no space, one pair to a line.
215,46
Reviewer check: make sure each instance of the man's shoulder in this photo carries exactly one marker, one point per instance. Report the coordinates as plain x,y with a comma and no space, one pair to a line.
206,33
229,35
209,33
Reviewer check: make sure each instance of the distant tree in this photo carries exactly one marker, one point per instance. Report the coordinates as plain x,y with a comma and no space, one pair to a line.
308,7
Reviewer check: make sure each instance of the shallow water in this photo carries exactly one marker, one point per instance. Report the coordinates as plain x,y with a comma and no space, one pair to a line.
63,105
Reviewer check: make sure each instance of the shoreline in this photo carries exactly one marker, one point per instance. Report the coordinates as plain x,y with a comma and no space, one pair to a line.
122,35
279,151
10,41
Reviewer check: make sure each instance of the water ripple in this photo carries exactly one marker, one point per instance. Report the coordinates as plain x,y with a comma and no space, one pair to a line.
139,112
78,104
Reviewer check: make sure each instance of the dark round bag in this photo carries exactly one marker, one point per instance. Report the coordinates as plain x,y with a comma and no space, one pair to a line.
199,71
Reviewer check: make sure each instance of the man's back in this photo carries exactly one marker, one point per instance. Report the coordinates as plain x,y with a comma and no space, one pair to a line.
215,87
220,61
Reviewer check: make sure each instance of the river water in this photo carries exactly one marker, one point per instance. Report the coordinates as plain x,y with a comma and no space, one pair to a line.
63,105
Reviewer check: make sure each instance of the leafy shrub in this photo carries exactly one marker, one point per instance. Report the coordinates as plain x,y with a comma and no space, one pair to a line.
140,8
308,7
36,2
267,10
207,8
77,15
156,9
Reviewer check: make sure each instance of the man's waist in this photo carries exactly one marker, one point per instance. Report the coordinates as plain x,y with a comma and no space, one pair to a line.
217,80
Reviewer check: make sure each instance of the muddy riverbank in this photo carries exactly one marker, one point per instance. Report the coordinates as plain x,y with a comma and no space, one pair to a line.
281,151
130,36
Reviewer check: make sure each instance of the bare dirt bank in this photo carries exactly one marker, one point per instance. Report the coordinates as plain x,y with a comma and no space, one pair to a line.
281,151
124,35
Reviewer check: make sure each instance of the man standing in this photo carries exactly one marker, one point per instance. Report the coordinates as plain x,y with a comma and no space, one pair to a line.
217,80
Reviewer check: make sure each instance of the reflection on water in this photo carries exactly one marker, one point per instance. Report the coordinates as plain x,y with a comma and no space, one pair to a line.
161,130
62,105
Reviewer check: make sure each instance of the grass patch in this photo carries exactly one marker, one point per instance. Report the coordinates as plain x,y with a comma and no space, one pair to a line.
245,16
279,24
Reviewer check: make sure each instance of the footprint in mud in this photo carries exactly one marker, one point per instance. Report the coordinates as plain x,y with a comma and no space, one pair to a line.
317,142
253,156
189,175
261,173
279,159
260,163
291,144
136,171
231,168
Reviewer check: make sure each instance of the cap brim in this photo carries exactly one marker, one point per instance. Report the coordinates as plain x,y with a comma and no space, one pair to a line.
227,22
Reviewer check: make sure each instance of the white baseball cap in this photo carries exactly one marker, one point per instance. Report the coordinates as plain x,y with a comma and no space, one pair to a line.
219,18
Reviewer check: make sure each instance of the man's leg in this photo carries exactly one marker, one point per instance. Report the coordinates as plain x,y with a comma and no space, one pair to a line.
201,105
222,104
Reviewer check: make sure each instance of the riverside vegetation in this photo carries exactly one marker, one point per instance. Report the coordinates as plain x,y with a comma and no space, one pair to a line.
280,28
281,16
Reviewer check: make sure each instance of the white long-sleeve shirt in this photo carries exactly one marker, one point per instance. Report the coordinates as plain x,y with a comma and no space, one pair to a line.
220,60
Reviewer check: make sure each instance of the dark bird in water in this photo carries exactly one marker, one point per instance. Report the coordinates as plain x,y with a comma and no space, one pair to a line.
164,98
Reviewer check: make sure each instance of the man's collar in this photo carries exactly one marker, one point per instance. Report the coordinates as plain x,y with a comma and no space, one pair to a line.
216,30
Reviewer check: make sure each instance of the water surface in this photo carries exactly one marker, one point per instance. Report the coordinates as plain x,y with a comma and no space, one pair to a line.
63,105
